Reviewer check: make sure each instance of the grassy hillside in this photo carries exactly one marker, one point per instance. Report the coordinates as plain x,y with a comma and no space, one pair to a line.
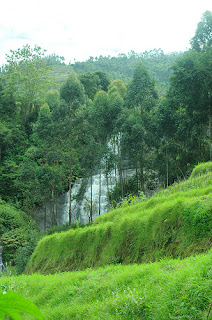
176,222
169,289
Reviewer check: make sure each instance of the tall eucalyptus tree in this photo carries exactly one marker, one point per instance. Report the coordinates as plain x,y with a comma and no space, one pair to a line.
72,91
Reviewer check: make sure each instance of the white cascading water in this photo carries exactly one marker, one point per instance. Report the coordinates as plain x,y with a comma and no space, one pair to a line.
80,205
80,208
100,188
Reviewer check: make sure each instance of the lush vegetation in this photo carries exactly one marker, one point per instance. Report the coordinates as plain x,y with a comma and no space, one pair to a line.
156,61
157,119
176,223
49,137
14,304
19,236
169,289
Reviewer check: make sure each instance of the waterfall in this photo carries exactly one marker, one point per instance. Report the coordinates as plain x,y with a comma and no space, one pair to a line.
81,205
96,187
81,195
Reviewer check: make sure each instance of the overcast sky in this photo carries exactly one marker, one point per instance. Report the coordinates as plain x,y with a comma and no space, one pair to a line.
82,28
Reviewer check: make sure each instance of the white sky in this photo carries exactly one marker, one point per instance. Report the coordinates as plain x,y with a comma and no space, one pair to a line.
77,29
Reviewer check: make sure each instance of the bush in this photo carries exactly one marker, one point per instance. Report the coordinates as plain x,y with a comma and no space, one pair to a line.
130,188
130,200
10,218
18,245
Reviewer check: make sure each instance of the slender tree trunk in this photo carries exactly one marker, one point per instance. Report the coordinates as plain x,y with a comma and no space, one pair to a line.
56,210
91,208
114,152
107,183
100,188
52,208
136,174
142,173
167,168
70,180
120,172
45,214
210,136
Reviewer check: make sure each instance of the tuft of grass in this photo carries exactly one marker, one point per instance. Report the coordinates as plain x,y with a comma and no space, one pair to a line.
201,169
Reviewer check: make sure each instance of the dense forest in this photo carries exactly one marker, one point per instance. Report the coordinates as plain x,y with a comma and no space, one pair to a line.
56,121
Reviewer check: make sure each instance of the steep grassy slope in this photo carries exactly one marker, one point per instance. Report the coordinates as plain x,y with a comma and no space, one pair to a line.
169,289
175,223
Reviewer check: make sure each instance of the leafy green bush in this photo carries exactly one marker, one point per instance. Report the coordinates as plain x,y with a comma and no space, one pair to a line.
129,187
24,252
19,236
10,218
130,200
18,245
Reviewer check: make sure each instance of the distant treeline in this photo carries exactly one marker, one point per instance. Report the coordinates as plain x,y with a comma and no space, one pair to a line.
121,67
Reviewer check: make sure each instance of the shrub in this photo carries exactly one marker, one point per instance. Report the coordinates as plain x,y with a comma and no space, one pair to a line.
18,245
10,218
24,252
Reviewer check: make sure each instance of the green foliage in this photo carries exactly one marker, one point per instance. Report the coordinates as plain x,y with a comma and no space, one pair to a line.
80,195
104,80
16,232
119,85
72,91
121,67
53,59
28,78
130,200
141,90
14,304
57,229
129,188
10,218
202,39
26,248
18,245
91,83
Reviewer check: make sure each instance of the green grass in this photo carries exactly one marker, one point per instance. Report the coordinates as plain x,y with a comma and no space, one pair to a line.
174,223
169,289
201,169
